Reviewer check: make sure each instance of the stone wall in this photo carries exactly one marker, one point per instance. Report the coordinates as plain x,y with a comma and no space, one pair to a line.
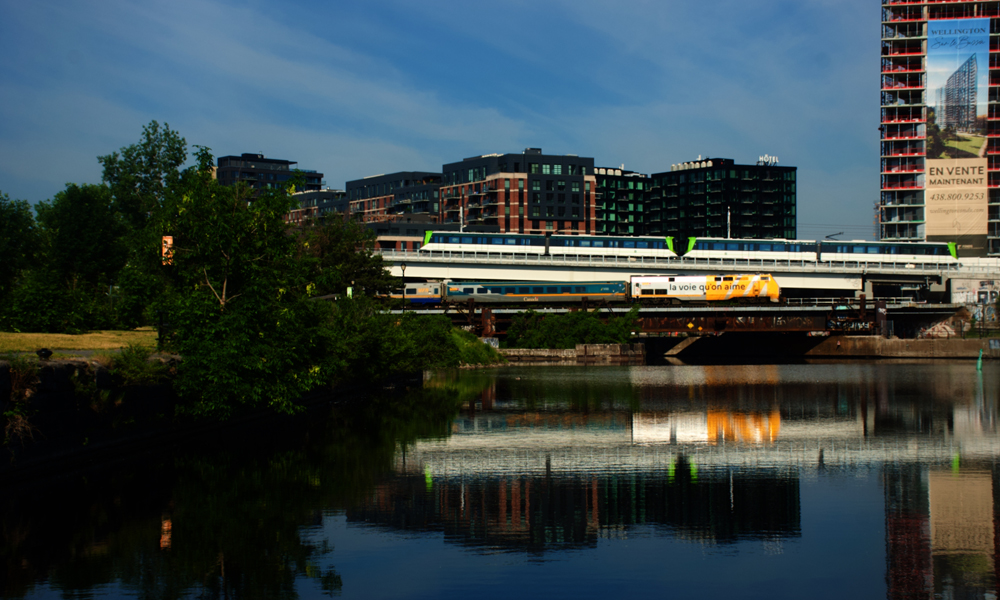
583,354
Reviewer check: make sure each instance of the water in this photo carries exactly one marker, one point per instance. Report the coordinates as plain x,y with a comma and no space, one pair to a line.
835,480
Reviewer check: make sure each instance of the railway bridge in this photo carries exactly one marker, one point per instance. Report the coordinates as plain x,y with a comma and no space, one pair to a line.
832,297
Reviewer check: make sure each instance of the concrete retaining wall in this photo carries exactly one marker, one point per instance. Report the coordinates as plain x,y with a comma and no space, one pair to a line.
876,346
583,354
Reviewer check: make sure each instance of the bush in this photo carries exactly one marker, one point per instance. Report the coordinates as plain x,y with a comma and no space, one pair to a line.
533,330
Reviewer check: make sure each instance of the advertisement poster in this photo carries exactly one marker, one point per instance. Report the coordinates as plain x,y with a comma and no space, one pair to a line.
955,201
957,95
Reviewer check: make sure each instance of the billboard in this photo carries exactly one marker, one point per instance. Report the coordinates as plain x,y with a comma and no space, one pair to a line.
957,87
958,65
955,203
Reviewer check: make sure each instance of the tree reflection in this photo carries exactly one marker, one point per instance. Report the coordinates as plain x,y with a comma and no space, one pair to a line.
223,524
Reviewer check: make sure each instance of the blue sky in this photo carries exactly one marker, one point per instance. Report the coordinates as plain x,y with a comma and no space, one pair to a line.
361,88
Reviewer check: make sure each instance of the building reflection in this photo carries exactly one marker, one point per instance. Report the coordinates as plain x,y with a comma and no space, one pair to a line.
545,512
941,532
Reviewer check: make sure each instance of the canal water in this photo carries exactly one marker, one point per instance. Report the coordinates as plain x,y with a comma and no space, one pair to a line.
842,480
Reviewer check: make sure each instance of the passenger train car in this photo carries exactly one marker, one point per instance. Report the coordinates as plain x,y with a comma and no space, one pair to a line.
439,241
531,291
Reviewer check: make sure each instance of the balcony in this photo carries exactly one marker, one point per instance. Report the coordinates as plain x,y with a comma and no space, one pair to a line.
902,186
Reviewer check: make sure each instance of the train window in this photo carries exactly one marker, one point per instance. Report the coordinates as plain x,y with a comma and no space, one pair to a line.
454,240
765,279
727,278
719,246
732,246
642,244
412,290
585,243
523,290
498,241
482,291
598,243
628,244
467,290
647,292
510,241
718,279
537,290
552,290
671,279
661,292
765,247
580,289
859,250
778,247
873,250
565,290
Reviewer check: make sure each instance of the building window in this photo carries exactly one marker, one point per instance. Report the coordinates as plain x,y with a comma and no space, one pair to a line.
557,169
536,185
548,184
575,186
536,197
520,184
550,211
588,187
576,198
561,185
533,168
546,169
535,211
506,184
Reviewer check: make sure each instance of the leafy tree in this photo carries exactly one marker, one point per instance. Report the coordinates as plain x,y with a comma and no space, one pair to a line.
18,241
239,306
83,235
342,255
142,176
78,252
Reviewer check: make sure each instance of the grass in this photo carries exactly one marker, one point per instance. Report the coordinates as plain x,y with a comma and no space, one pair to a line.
61,343
971,144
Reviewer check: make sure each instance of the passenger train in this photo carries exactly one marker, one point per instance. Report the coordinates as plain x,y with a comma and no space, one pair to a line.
694,248
666,289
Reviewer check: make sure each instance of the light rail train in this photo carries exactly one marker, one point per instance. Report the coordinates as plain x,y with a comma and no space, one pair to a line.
859,251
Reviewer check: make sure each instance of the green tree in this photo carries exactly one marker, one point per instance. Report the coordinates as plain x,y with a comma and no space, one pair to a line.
142,176
342,255
18,241
83,234
79,251
238,300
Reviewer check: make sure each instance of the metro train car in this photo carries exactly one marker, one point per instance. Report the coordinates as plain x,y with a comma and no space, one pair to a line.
440,241
705,288
895,252
776,249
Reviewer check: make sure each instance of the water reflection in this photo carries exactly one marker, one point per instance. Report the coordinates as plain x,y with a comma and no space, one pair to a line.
550,465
